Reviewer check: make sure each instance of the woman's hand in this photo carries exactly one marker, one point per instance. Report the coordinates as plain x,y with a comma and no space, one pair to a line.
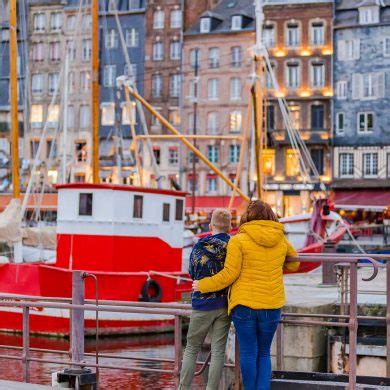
195,285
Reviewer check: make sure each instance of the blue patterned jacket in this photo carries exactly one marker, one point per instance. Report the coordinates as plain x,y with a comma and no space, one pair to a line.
207,259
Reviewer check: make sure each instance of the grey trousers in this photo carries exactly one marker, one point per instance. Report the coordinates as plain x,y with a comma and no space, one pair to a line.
201,322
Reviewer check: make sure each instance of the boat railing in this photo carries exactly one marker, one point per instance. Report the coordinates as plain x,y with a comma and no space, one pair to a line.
348,318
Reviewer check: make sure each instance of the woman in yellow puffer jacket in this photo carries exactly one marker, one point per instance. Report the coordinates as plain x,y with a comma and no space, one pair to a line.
254,269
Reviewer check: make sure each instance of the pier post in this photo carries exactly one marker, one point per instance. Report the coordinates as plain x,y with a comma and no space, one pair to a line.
26,344
329,275
77,318
388,318
178,347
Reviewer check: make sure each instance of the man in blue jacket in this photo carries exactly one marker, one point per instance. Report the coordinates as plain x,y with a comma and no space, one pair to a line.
209,311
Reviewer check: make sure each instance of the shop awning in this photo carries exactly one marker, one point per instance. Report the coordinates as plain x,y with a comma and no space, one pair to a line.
210,203
370,200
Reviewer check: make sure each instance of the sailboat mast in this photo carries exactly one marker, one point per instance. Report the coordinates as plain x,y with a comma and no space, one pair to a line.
257,92
95,91
13,58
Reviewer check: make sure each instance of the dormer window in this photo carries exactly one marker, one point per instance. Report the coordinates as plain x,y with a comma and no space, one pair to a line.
369,15
236,22
205,25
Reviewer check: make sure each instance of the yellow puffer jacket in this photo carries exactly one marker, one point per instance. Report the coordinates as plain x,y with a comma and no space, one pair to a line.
254,266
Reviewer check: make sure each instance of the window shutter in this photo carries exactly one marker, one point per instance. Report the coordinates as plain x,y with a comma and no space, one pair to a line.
357,85
356,49
379,85
341,50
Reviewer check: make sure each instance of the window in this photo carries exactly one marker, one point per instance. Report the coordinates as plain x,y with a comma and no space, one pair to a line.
234,153
55,54
386,47
192,183
191,124
86,22
292,74
85,116
235,88
53,115
111,41
269,35
193,89
317,155
130,71
87,50
85,204
270,118
109,75
195,58
138,206
53,82
213,153
317,117
388,165
212,122
365,122
108,114
236,56
179,209
132,37
191,157
34,145
158,51
37,84
158,19
368,85
166,212
71,82
173,158
213,89
211,183
71,116
214,57
368,15
292,35
175,81
71,22
292,162
269,83
174,117
348,50
346,164
175,50
36,115
235,121
51,148
340,123
236,22
370,164
317,75
156,85
79,178
342,90
85,81
295,115
205,25
39,22
317,34
56,21
268,162
157,154
129,113
81,151
38,52
176,18
134,4
71,50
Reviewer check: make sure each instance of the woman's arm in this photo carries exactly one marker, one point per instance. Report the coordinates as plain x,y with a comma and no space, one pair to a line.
230,272
291,266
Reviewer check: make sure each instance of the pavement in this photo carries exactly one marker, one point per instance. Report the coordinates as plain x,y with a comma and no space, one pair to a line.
8,385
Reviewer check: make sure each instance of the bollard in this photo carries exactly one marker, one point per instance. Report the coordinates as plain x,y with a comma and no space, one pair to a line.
329,276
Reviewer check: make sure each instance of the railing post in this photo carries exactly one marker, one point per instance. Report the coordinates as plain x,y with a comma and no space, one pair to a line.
178,347
353,326
77,318
26,344
388,318
329,276
237,370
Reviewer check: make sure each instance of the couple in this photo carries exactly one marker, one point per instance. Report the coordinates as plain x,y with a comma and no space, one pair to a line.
252,264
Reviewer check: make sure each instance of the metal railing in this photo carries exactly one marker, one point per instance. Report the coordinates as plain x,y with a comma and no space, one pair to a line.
348,318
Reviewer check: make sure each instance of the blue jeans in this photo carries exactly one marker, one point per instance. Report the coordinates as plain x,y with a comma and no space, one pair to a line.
255,330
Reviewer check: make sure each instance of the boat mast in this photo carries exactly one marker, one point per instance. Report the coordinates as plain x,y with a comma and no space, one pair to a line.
95,91
13,59
257,92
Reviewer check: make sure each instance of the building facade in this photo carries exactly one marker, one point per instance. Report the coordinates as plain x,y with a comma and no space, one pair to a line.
361,157
298,36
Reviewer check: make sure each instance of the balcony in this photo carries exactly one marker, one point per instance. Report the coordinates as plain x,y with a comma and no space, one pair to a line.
313,136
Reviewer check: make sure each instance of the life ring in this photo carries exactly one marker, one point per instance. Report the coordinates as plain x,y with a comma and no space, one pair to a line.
151,291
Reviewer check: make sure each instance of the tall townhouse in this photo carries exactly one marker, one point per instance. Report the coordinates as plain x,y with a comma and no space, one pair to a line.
361,158
5,125
165,21
298,36
117,160
46,54
217,67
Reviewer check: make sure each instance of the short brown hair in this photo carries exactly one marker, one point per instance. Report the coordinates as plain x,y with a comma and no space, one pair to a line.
258,210
221,219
